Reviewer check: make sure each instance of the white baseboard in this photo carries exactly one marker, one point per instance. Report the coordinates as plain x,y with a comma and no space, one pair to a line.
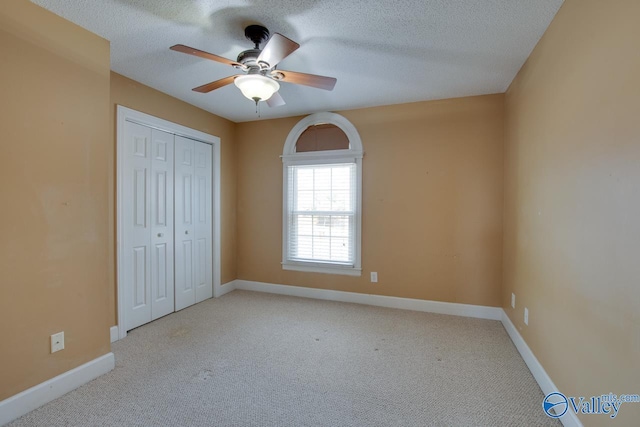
28,400
466,310
226,288
569,419
115,334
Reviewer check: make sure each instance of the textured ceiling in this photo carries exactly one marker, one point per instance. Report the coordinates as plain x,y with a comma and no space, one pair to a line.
381,52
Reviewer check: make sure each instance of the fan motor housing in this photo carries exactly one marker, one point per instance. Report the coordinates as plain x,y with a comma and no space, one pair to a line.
249,57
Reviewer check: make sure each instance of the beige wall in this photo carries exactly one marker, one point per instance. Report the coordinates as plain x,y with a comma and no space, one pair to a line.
432,201
432,197
54,116
572,201
131,94
58,181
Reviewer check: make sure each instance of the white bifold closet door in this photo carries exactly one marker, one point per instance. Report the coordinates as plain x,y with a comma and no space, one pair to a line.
167,238
193,235
148,218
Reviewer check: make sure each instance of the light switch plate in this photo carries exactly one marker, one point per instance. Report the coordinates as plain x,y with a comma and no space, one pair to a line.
526,316
513,300
374,277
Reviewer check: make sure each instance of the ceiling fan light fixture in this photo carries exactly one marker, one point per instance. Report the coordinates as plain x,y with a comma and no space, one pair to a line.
256,87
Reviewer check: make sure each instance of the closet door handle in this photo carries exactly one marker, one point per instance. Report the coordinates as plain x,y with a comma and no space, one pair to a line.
160,234
186,231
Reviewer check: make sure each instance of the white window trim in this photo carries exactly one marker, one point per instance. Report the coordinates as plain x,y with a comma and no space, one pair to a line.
353,155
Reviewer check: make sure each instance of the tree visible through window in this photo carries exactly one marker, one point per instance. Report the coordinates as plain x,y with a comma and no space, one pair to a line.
322,196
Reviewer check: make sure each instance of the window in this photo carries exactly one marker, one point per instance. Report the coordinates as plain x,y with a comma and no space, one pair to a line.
322,213
322,162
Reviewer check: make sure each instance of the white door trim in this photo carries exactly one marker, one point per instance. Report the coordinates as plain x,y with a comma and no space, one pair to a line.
125,114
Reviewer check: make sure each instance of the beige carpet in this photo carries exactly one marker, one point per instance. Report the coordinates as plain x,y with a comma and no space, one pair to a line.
252,359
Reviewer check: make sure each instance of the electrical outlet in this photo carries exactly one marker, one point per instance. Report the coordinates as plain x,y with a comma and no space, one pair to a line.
374,277
57,342
526,316
513,300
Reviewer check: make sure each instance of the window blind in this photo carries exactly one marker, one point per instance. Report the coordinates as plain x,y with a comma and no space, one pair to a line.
322,213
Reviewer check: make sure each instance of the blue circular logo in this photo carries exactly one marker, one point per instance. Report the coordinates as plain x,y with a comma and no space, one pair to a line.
555,405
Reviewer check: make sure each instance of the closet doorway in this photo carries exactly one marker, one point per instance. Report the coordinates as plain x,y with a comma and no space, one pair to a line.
168,218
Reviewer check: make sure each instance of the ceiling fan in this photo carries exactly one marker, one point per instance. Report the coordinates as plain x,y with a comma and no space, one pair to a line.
260,79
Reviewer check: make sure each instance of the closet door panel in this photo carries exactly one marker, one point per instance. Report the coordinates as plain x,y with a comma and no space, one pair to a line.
184,222
137,225
162,280
203,225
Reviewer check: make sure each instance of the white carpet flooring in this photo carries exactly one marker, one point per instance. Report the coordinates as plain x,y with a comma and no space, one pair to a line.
253,359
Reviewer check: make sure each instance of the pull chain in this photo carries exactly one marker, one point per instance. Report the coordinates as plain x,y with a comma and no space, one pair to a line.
257,106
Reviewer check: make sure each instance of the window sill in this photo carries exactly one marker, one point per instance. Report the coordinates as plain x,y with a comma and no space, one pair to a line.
329,269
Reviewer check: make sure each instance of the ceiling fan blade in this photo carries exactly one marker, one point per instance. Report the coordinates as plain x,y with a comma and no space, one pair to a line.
277,48
214,85
275,100
202,54
321,82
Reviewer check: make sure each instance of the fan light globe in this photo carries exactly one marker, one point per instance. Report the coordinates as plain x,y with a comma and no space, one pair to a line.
256,87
